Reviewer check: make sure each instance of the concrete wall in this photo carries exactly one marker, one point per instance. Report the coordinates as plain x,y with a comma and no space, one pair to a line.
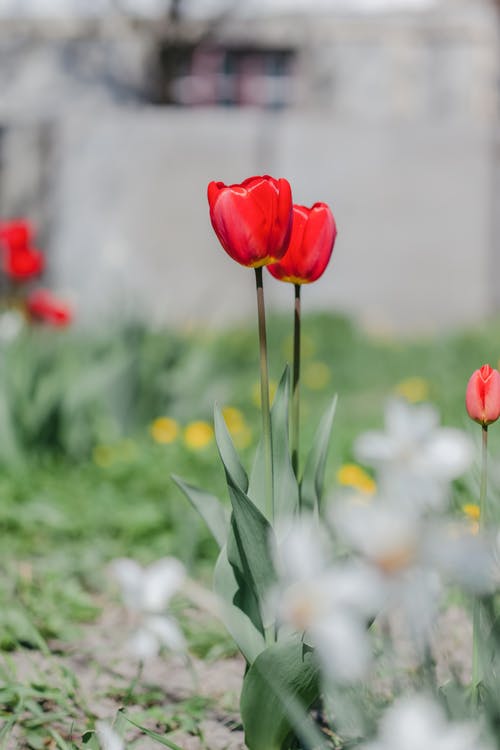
394,126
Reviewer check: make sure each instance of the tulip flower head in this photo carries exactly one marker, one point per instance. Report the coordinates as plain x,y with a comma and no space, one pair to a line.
44,307
482,398
253,220
20,260
311,245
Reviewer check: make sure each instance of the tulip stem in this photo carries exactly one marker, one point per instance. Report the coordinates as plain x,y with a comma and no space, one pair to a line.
296,383
264,395
476,643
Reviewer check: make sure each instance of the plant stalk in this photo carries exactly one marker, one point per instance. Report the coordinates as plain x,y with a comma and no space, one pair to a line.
264,395
476,643
296,383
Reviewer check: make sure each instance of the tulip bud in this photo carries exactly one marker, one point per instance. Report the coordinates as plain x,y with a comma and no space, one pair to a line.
482,398
253,220
311,244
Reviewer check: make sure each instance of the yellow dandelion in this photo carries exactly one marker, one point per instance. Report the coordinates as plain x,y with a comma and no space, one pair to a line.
472,511
256,392
103,456
413,389
233,417
238,428
198,435
316,376
352,475
164,430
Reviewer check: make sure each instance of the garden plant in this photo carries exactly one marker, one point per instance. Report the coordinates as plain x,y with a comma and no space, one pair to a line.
343,555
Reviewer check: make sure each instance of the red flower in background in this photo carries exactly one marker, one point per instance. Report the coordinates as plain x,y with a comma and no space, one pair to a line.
311,244
44,307
22,264
19,259
17,233
482,398
253,220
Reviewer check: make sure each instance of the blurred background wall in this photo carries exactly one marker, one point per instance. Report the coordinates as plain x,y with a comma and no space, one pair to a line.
113,118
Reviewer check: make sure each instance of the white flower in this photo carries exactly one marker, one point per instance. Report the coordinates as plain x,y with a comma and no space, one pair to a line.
414,457
108,738
11,324
146,592
413,556
417,723
332,604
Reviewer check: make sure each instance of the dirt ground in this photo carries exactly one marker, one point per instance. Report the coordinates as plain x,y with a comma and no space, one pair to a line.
98,677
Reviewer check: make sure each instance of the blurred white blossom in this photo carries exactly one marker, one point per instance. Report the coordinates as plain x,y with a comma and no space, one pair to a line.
108,738
146,593
415,459
414,555
11,324
332,604
417,723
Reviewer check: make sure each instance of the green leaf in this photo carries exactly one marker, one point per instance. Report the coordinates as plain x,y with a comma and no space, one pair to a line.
253,536
246,635
286,490
278,690
313,478
209,507
227,451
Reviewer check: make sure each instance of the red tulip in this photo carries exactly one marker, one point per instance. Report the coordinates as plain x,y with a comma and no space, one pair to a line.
23,263
17,234
482,398
253,221
311,244
44,307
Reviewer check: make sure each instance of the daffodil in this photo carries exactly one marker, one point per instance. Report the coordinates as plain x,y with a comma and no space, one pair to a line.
417,722
414,456
198,435
146,593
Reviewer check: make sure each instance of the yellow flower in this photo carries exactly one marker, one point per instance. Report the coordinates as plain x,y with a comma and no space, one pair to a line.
316,376
240,431
352,475
473,514
256,392
103,455
413,389
234,418
472,511
164,430
198,435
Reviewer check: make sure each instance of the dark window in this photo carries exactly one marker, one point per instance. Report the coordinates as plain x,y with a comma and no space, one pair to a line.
224,76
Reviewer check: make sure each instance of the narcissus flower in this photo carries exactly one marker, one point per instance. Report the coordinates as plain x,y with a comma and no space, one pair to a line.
311,244
44,307
253,220
482,398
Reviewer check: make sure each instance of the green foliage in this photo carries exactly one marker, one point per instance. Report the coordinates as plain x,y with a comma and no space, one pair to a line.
278,689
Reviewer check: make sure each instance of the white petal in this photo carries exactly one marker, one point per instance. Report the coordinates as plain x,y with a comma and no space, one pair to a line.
448,454
374,447
408,423
301,555
130,577
108,738
144,644
166,632
161,580
343,647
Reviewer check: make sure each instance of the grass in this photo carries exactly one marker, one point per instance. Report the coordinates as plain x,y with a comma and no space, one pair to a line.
83,481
